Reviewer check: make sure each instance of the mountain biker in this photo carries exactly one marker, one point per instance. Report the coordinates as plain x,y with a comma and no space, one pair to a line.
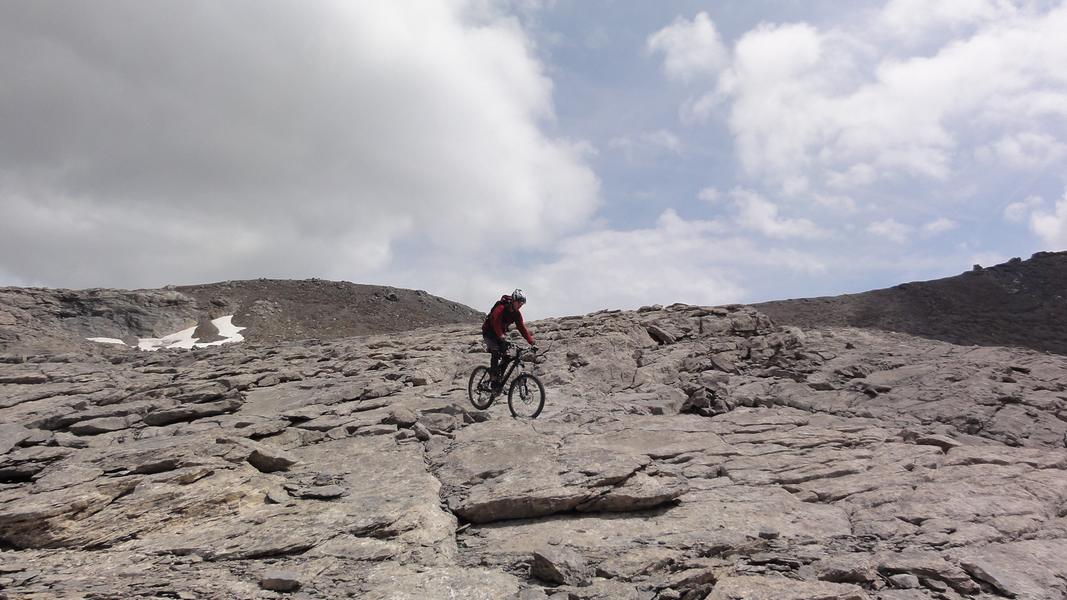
501,316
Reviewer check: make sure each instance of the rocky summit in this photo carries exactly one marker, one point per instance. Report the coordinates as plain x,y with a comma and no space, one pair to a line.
51,321
684,452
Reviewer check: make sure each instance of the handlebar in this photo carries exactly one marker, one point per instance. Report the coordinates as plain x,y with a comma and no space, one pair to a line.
520,350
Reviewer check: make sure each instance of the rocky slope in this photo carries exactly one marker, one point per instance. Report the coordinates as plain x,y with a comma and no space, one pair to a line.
684,453
55,320
1019,303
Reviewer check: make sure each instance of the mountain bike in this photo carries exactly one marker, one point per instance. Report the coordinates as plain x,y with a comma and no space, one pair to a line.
526,393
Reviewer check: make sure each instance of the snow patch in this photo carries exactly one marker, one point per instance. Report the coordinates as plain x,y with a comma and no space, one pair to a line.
184,339
227,330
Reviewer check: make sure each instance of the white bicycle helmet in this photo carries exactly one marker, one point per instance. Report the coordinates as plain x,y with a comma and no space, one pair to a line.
518,295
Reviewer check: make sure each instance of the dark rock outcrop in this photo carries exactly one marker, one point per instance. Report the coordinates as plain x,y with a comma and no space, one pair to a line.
1018,303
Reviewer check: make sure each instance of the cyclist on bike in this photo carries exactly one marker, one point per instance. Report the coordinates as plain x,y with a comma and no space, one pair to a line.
501,316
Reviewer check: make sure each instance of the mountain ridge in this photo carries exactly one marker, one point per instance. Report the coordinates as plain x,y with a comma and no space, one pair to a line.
50,319
1019,303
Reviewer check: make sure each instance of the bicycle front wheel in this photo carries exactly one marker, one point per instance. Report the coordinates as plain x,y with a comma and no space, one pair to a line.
526,397
480,388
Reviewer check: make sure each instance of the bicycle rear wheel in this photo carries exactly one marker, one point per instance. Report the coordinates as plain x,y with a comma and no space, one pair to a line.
526,397
480,388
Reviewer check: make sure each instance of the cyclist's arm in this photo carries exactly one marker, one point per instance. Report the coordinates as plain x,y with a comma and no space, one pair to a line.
521,326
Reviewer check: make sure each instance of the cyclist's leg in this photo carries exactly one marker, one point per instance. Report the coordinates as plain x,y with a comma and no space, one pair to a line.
496,349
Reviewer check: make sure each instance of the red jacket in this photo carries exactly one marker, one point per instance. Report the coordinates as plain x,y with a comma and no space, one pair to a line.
501,317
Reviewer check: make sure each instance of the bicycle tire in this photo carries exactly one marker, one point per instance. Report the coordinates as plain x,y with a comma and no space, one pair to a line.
478,391
526,397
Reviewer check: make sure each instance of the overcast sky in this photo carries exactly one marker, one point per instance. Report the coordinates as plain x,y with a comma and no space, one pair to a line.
597,153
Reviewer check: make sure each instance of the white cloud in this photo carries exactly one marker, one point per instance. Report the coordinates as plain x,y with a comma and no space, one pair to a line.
756,213
692,49
626,269
1017,212
914,19
1024,150
891,230
773,84
673,260
1051,226
710,195
859,175
839,204
831,108
648,143
987,258
796,185
938,226
275,139
698,110
678,260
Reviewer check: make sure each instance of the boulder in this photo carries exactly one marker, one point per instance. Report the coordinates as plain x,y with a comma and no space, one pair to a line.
11,435
98,426
280,581
269,460
191,412
561,566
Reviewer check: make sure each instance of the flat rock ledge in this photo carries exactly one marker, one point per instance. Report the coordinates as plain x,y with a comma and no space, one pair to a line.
684,453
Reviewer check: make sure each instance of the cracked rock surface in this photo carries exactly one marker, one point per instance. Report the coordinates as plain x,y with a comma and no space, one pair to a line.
684,453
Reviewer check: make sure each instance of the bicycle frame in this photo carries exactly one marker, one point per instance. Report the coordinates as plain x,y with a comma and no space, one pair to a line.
514,362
